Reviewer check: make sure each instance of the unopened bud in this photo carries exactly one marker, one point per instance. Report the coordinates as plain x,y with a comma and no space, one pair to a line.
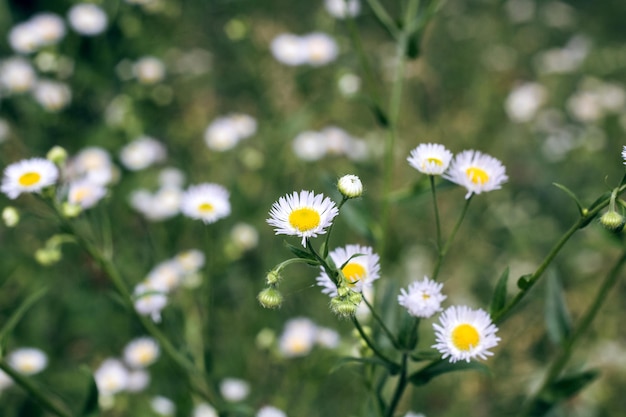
58,155
47,256
10,216
613,221
343,307
270,298
71,210
350,186
273,277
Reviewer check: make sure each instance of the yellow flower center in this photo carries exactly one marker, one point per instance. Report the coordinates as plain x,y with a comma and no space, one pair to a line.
353,272
81,194
435,161
145,355
298,346
205,208
29,178
425,296
465,336
477,175
304,219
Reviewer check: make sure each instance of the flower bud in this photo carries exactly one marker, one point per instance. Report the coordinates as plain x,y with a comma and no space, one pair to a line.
270,298
355,298
10,216
343,307
350,186
613,221
273,277
58,155
71,210
48,256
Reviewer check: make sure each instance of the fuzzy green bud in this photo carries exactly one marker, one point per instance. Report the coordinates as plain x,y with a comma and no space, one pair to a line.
58,155
48,256
343,307
350,186
270,298
272,277
71,210
10,216
613,221
355,298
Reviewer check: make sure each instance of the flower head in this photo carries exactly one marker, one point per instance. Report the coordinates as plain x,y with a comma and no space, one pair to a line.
28,176
142,153
463,334
28,361
141,352
430,158
206,202
423,298
298,337
87,19
350,186
234,389
269,411
477,172
359,265
304,214
111,377
85,193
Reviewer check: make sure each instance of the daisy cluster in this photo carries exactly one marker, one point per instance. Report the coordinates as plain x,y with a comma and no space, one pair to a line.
474,170
313,145
151,294
315,49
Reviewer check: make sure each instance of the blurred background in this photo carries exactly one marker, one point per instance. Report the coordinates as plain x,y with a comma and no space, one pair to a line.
537,84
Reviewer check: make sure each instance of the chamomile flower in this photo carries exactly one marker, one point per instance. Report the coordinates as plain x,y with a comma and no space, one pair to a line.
359,265
298,337
111,377
28,361
430,158
464,334
28,176
87,19
477,172
85,193
303,214
423,298
141,352
207,202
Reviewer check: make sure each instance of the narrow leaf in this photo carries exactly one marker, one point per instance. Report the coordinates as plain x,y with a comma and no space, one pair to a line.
570,385
499,294
558,322
19,313
571,194
300,253
91,407
372,361
424,375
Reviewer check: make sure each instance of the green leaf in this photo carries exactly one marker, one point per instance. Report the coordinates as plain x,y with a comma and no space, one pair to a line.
393,368
409,336
499,294
558,321
19,313
442,366
300,253
561,390
91,407
571,194
426,355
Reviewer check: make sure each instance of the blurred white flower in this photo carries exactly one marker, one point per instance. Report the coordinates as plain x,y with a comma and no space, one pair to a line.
204,410
234,389
244,236
524,101
327,338
138,380
5,380
49,28
190,261
150,300
321,49
341,9
520,11
207,202
85,193
171,177
92,164
289,49
162,205
23,38
564,60
142,153
149,70
309,145
141,352
28,361
87,19
4,130
225,132
163,406
166,275
298,337
412,414
52,95
349,84
270,411
423,298
17,75
111,377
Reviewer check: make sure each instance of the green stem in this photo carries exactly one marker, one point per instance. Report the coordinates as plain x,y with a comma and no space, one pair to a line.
384,18
330,228
561,360
390,335
400,387
45,401
444,250
436,209
372,346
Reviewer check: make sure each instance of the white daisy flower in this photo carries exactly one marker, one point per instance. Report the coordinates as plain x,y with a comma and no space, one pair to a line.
163,406
310,145
327,338
51,95
430,158
464,334
320,48
141,352
28,176
423,298
111,377
23,38
85,193
477,172
244,236
298,337
304,214
270,411
207,202
289,49
341,9
234,389
150,300
87,19
204,410
17,75
5,381
166,275
359,264
142,153
190,261
138,380
49,28
93,164
28,361
149,70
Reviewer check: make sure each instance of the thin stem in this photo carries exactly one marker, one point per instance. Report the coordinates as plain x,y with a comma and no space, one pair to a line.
561,360
44,400
383,17
371,344
400,387
444,250
436,209
390,335
330,228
